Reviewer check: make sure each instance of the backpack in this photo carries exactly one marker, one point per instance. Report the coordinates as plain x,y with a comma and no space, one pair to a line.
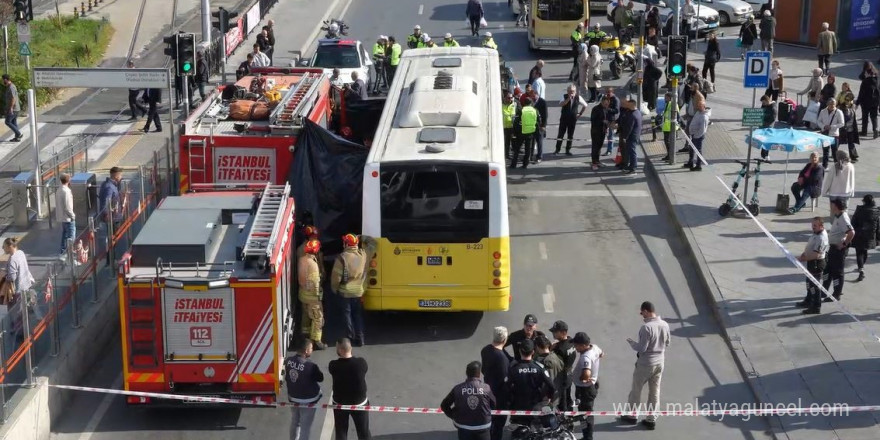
706,86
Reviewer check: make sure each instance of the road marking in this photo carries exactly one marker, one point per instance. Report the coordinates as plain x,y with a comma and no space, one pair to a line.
7,148
61,141
542,249
106,140
582,193
549,298
327,426
421,9
535,207
101,411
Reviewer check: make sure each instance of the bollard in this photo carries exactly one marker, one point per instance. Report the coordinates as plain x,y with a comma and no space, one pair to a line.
3,414
73,285
83,8
93,260
56,336
75,12
90,5
26,332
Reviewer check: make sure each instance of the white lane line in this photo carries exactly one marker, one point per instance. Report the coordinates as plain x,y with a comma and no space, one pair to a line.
582,193
327,426
421,9
61,141
542,250
101,411
549,299
107,139
535,207
8,147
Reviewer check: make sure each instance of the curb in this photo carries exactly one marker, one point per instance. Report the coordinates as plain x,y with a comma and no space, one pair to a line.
716,299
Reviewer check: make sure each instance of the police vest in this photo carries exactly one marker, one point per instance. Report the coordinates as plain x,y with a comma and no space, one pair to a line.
412,41
378,50
508,111
490,44
309,276
529,120
395,54
576,37
423,45
667,118
351,282
452,43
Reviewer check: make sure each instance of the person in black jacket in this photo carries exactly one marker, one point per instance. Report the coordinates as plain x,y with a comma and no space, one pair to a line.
303,387
469,405
529,332
869,97
528,383
769,107
598,130
496,363
154,97
613,114
202,74
565,349
808,184
713,55
349,388
748,33
866,222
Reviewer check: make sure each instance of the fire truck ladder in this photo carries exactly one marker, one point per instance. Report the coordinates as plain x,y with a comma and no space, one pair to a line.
196,160
289,111
142,326
264,230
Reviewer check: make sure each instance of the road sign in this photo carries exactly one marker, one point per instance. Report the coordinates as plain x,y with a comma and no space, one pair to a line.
753,117
757,70
24,50
24,32
98,77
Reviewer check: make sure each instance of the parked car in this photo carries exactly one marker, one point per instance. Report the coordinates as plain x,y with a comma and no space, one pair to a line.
730,12
345,55
756,4
702,22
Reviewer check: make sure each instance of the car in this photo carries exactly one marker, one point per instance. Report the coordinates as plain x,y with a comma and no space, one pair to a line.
756,4
597,5
706,22
346,55
730,12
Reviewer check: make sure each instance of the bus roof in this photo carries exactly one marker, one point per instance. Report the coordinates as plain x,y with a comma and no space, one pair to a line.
444,104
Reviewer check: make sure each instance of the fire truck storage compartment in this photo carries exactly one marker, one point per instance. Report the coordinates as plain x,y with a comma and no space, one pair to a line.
199,324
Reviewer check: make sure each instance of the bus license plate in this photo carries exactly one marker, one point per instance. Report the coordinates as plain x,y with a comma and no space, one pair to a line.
435,303
435,261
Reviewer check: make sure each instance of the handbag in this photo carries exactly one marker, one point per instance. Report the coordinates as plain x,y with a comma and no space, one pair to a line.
483,22
739,42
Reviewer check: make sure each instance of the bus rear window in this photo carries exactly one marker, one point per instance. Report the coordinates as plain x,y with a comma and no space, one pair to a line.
560,10
429,204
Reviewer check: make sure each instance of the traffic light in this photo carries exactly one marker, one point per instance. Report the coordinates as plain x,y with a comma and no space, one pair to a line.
23,10
171,49
223,16
677,54
186,54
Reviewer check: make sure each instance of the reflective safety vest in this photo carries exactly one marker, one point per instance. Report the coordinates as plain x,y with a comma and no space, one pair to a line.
349,273
508,111
576,37
395,54
667,118
593,35
529,120
378,51
490,44
423,45
412,41
452,43
309,275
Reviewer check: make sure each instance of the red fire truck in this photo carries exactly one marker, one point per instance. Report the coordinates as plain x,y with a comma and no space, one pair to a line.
204,295
217,148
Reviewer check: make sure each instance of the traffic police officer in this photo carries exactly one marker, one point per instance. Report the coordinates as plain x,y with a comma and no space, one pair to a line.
379,58
310,294
595,35
448,41
528,383
347,281
425,41
488,42
528,121
509,110
394,51
667,127
469,405
577,36
412,40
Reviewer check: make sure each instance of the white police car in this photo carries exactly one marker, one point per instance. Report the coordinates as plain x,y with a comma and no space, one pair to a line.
346,55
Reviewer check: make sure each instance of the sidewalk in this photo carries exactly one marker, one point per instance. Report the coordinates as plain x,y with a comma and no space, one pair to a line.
788,358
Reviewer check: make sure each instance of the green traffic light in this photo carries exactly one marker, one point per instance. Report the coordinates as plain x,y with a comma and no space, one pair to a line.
676,69
187,67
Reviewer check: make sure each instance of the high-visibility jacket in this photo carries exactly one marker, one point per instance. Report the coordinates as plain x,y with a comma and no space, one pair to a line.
378,51
309,275
529,120
423,45
508,112
413,40
490,44
576,38
452,43
667,118
395,54
349,273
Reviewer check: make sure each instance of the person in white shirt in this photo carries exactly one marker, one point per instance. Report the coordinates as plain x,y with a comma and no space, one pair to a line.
260,58
813,259
830,121
840,236
840,182
585,377
538,84
64,214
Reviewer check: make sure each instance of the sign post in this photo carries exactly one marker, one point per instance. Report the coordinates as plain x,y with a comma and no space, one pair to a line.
756,76
24,39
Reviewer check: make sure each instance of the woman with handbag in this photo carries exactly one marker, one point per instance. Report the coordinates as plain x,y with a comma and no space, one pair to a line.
748,33
18,273
713,55
776,82
593,72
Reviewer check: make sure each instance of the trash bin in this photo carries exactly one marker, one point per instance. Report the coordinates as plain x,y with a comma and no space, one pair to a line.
24,198
85,197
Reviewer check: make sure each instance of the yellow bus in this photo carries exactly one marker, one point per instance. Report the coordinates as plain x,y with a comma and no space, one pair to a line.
551,22
435,188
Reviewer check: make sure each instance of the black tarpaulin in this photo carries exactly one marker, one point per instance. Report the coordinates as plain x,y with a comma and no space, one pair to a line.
326,180
362,116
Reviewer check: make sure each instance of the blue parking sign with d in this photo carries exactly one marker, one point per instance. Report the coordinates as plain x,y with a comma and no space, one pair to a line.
756,73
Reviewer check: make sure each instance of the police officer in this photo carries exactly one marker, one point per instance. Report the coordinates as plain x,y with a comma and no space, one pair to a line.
529,331
577,36
425,41
528,383
394,51
509,109
448,41
527,121
469,405
412,40
379,58
565,349
585,376
303,387
347,281
310,293
595,35
488,42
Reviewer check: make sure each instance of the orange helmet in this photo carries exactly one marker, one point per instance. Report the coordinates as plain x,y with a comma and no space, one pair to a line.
310,231
313,247
350,240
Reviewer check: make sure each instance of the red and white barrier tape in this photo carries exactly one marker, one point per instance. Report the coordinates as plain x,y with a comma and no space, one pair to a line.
739,411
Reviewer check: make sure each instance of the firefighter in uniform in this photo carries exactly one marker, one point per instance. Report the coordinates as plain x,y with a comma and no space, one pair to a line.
347,282
488,42
469,405
379,59
509,109
528,383
448,41
528,121
412,40
394,51
310,233
309,274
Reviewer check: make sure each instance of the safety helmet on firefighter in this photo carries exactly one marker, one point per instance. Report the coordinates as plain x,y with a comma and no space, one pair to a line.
350,240
313,247
425,38
310,232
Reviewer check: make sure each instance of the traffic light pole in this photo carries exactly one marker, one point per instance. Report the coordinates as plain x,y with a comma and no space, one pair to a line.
674,103
206,20
184,82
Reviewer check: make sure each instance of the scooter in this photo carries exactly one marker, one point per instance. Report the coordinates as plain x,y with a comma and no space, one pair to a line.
334,28
753,206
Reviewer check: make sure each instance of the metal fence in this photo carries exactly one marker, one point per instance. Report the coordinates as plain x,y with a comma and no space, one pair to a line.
32,327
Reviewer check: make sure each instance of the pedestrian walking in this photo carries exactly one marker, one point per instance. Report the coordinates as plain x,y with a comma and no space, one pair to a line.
826,46
697,129
259,59
109,197
613,116
347,282
474,13
866,223
585,377
808,184
495,365
777,82
541,106
869,97
310,292
592,79
18,274
830,122
840,181
203,74
349,388
712,56
528,383
840,237
630,134
814,87
523,17
598,130
651,83
304,379
528,333
133,105
650,351
849,134
65,215
13,106
469,405
748,33
768,31
553,364
154,97
565,349
526,124
813,257
572,107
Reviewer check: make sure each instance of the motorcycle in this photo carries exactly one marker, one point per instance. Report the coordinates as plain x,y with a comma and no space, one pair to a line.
550,426
334,28
624,53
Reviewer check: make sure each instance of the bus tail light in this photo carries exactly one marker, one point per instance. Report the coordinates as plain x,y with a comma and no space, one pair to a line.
493,173
374,263
496,282
496,273
496,255
496,264
373,281
137,399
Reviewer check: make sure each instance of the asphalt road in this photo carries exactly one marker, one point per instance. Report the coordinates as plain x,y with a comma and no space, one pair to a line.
587,248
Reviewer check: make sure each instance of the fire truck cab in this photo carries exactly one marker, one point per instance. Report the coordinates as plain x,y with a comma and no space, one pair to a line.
205,295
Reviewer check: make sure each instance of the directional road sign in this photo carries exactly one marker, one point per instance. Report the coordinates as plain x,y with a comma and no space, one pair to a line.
757,70
100,77
24,50
753,117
